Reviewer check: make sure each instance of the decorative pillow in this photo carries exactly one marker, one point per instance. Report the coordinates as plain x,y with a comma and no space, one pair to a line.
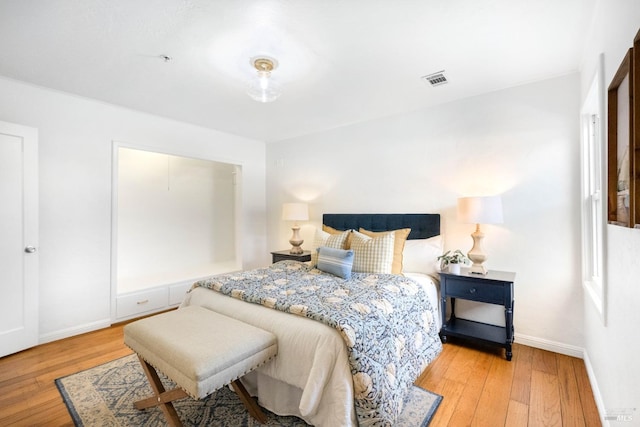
331,230
401,237
335,261
421,255
322,238
372,254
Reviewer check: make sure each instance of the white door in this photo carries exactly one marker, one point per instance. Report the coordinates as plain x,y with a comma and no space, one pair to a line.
18,238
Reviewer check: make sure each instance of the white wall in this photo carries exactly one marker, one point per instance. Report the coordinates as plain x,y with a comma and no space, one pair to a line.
175,218
612,349
522,143
75,146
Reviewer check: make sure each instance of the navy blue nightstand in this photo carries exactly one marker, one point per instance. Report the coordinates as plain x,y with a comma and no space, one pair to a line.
496,287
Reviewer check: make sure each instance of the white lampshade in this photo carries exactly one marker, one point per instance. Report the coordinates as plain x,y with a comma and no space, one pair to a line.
295,212
480,210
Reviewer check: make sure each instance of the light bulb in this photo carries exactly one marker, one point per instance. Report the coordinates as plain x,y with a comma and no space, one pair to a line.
264,80
263,89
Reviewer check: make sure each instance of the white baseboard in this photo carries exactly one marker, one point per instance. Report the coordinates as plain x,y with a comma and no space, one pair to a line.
76,330
556,347
596,391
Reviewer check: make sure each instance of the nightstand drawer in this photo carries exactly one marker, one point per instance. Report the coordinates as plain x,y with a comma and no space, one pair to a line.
476,291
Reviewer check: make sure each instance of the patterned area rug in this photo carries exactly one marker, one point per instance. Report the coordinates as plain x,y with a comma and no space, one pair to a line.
104,396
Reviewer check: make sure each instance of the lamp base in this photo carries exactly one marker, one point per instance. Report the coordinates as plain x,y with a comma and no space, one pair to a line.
296,241
478,269
296,249
476,254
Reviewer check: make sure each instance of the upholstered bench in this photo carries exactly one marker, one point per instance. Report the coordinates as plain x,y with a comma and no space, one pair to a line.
201,351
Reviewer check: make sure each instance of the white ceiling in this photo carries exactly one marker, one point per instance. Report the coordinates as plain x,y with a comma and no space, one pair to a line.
341,61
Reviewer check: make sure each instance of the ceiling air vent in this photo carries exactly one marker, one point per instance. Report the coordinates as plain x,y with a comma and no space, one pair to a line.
435,79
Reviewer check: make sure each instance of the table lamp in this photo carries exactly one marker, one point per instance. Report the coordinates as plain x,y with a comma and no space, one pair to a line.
479,210
295,212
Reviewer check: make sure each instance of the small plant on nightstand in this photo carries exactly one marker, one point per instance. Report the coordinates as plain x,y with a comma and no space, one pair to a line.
451,261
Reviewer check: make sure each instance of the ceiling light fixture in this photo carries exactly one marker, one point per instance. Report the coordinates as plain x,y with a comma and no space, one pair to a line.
262,87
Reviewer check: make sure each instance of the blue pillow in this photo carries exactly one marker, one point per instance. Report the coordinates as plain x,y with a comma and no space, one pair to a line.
335,261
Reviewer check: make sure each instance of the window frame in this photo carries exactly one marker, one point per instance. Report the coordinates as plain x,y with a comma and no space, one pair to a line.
594,181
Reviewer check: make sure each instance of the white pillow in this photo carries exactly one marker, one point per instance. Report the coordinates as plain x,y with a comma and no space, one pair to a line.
372,255
421,255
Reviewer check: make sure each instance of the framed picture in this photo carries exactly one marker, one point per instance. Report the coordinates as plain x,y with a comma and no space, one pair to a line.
635,133
621,182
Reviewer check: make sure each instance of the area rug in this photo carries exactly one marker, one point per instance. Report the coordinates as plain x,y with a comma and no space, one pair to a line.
104,396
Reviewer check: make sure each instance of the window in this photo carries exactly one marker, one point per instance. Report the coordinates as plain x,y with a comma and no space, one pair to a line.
593,196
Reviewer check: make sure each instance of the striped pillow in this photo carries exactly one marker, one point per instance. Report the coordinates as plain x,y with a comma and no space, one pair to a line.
336,241
372,255
335,261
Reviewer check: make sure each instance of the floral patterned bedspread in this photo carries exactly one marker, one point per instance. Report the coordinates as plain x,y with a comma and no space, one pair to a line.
387,323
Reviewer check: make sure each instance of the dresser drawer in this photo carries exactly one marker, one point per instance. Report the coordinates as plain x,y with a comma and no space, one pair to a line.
476,291
178,292
128,305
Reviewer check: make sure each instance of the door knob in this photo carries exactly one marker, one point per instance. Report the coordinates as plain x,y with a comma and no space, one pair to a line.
30,249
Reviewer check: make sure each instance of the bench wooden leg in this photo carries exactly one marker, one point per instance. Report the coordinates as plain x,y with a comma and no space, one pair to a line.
161,397
249,403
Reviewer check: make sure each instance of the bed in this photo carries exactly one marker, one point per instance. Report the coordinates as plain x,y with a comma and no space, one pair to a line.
325,371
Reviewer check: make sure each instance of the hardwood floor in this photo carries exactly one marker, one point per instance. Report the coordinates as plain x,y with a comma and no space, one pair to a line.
537,388
28,394
480,388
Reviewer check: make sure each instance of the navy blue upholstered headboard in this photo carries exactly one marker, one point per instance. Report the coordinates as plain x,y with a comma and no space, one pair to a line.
422,226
